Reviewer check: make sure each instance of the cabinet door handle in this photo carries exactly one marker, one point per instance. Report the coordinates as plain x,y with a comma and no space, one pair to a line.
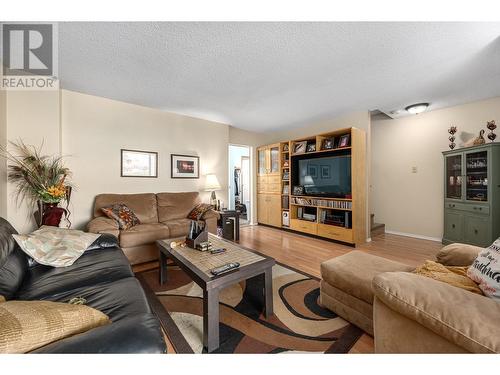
476,231
453,225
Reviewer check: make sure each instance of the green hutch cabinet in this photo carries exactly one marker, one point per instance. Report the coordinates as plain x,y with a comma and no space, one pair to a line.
472,195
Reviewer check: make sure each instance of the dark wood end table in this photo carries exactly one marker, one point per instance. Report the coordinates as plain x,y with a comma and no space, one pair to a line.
197,264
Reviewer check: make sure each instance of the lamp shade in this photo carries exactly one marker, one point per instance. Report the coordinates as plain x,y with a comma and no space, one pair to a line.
211,182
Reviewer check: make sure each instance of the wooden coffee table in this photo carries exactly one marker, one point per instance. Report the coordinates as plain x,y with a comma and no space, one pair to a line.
197,264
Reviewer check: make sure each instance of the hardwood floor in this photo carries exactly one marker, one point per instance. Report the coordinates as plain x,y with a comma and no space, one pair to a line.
307,253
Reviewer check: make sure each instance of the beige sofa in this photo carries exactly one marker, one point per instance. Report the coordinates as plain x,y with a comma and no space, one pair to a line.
162,215
413,313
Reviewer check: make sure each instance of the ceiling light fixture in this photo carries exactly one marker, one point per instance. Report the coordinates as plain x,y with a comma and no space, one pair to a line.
415,109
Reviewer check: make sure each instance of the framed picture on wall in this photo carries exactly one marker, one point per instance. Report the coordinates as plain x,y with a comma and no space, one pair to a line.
185,166
136,163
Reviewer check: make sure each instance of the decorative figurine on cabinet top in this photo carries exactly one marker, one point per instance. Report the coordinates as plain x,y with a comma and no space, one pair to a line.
480,140
491,126
452,130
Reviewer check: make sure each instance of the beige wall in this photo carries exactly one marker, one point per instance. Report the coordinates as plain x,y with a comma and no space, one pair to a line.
412,203
32,116
3,163
94,130
89,132
360,120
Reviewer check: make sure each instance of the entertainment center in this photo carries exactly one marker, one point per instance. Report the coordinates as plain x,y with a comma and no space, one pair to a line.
315,185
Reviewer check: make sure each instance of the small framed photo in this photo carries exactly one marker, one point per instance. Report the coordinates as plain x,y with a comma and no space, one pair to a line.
298,190
300,147
136,163
344,140
328,144
185,166
311,147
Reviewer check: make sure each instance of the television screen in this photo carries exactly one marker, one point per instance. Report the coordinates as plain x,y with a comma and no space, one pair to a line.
325,176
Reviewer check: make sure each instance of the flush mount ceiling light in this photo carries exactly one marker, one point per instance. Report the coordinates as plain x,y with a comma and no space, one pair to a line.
417,108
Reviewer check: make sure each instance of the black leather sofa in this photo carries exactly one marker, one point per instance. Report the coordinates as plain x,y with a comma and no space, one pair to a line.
103,277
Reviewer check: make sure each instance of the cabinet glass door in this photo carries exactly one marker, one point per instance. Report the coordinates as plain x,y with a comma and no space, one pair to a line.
476,169
275,159
262,161
454,177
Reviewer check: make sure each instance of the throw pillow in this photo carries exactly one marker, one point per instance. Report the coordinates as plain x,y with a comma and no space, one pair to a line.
123,215
28,325
200,210
2,299
456,276
57,247
485,270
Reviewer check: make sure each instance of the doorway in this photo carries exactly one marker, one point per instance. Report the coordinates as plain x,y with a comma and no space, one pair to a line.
240,194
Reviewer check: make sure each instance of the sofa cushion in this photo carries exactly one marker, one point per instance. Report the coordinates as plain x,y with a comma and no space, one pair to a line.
93,267
172,206
178,228
353,272
466,319
458,254
117,299
135,334
28,325
143,205
13,262
143,234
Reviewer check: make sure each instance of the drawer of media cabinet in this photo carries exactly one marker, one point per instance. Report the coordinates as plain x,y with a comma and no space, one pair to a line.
474,208
304,226
335,233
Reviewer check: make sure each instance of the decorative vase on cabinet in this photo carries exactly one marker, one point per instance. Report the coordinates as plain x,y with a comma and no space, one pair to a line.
472,195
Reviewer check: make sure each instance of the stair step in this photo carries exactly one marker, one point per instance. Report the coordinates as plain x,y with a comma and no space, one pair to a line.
377,228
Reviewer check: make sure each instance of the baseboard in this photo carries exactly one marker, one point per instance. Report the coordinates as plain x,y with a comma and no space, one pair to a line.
420,237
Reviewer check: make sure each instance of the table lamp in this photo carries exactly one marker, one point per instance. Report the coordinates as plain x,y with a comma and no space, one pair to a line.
212,184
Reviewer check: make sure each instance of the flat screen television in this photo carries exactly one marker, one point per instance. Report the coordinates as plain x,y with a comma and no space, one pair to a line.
328,176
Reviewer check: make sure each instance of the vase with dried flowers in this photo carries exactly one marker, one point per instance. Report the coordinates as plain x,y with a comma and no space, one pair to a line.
40,180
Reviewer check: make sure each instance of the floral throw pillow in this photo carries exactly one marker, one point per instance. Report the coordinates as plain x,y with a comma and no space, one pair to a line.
200,210
123,215
485,270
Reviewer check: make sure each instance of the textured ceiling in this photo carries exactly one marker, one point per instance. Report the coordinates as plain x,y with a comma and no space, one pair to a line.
268,76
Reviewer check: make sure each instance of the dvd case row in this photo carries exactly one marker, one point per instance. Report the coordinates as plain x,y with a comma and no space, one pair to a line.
346,205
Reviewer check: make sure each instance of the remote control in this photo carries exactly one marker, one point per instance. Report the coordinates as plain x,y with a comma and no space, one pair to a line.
225,268
218,251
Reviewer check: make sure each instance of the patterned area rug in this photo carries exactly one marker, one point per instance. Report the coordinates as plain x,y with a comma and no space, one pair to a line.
299,323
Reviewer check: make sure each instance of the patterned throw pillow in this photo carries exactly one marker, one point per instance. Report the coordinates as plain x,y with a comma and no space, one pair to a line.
200,210
123,215
28,325
56,247
485,270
